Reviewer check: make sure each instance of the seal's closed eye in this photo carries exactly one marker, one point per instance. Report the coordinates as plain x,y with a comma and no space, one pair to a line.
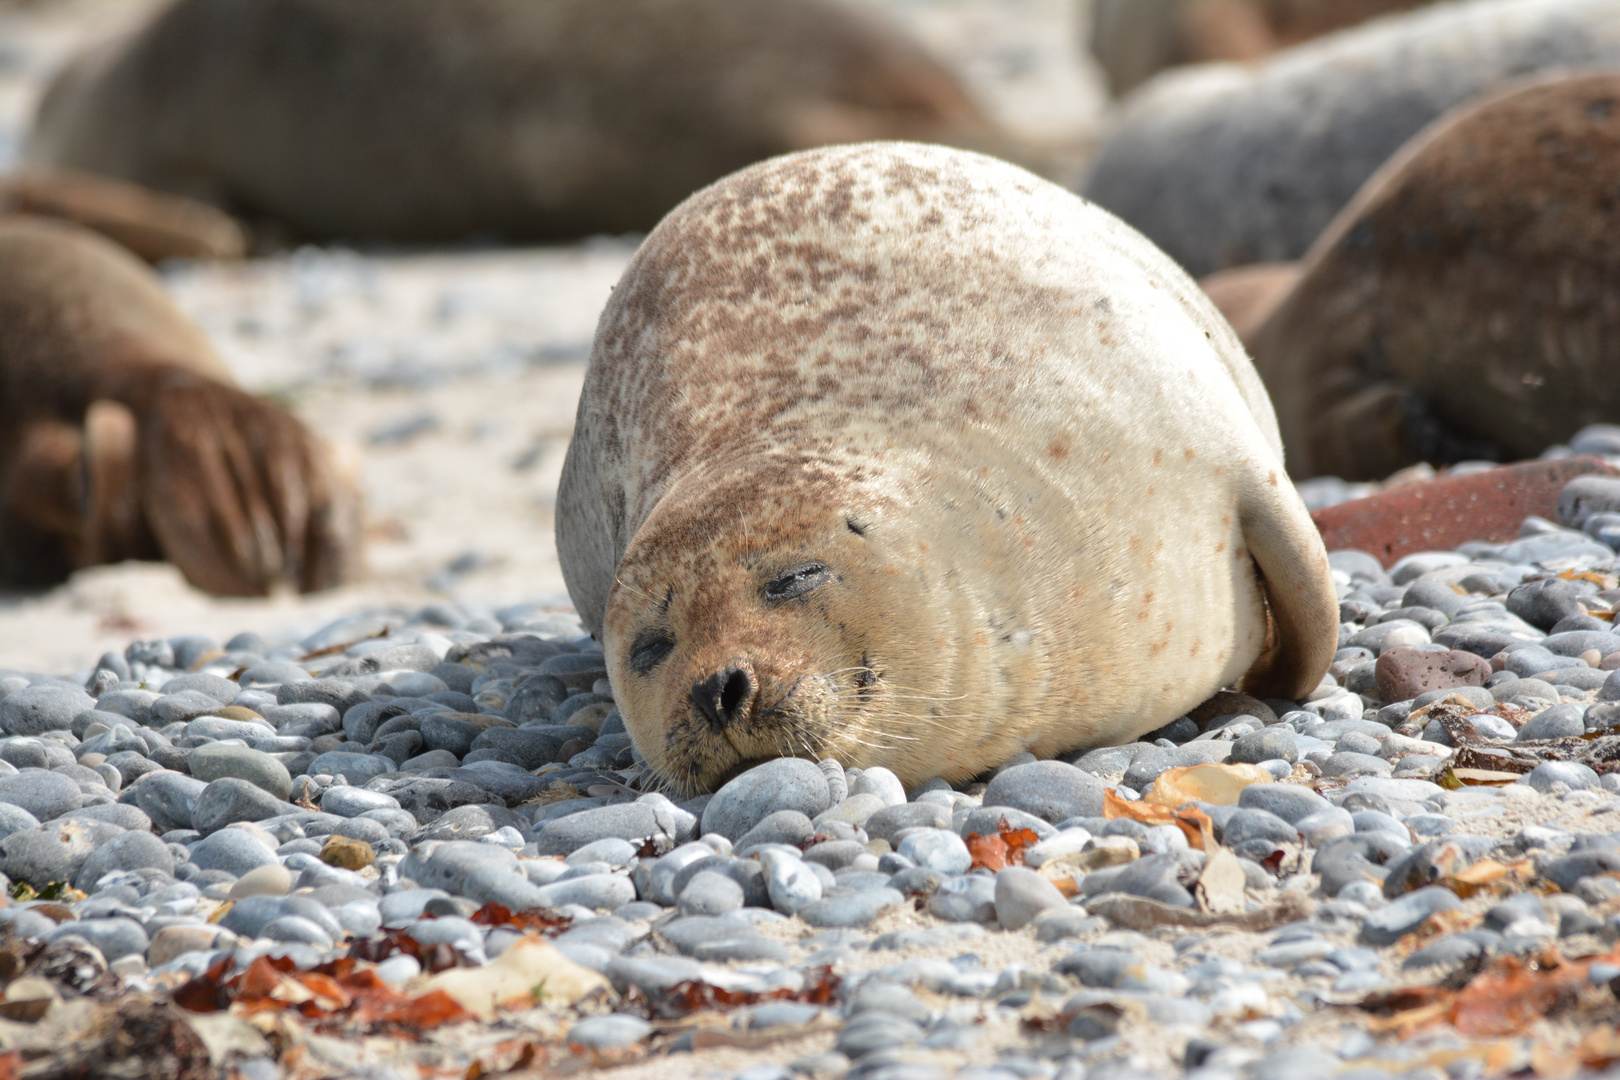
649,650
796,581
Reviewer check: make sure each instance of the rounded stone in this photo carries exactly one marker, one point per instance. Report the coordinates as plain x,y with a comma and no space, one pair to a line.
1557,722
272,879
790,883
891,820
230,800
881,782
1051,790
781,827
41,707
348,801
710,893
228,759
1572,774
1400,917
115,937
234,851
15,819
1267,744
296,928
852,908
1288,801
129,851
347,853
608,1032
1403,673
1254,824
1021,895
43,794
780,784
937,849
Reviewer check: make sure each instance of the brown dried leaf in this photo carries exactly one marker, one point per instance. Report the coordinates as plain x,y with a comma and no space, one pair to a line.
988,852
431,1010
1017,841
1507,999
1153,814
544,921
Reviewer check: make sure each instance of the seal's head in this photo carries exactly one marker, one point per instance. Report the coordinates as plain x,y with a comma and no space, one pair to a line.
753,616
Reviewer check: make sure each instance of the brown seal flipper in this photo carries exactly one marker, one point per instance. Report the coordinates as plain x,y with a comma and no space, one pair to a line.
154,226
1463,302
114,403
237,493
1302,609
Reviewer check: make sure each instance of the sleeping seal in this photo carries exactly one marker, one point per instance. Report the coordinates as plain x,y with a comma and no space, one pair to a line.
901,455
122,435
438,120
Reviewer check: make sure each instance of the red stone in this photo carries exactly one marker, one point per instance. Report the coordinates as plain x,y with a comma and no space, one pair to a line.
1401,674
1450,510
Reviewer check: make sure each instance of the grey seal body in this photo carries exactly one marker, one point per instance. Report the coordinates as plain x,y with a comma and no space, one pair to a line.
1224,166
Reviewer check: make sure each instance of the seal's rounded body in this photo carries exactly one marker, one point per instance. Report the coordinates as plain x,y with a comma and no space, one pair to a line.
436,120
904,456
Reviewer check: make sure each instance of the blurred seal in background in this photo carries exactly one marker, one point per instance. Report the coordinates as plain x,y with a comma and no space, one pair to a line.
1133,40
440,120
1465,304
1223,165
123,436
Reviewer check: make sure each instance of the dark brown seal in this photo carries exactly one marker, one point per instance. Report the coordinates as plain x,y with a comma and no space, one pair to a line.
1464,304
122,436
904,456
436,120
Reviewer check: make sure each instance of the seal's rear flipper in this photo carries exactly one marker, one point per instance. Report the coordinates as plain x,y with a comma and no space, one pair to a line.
1302,607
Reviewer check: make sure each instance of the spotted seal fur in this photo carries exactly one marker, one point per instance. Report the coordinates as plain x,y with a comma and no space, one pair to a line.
123,436
904,456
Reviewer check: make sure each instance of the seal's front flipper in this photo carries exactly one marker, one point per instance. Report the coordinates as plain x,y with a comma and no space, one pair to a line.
1302,607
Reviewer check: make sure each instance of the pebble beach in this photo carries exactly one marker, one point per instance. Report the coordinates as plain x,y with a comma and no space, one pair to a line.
399,830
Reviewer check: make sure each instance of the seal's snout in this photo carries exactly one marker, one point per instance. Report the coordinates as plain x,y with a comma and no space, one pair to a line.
726,696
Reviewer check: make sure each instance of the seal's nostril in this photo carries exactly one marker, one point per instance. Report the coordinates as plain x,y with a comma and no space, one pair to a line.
734,698
724,698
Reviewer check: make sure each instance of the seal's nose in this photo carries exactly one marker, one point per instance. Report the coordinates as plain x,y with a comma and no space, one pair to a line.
725,697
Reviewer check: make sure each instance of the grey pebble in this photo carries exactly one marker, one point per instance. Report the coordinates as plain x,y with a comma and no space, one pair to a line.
850,909
1392,921
45,795
780,784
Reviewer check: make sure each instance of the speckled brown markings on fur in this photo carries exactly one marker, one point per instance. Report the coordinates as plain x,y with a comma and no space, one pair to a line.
863,358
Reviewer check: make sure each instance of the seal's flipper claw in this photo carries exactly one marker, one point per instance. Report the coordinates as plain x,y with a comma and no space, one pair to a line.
231,485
